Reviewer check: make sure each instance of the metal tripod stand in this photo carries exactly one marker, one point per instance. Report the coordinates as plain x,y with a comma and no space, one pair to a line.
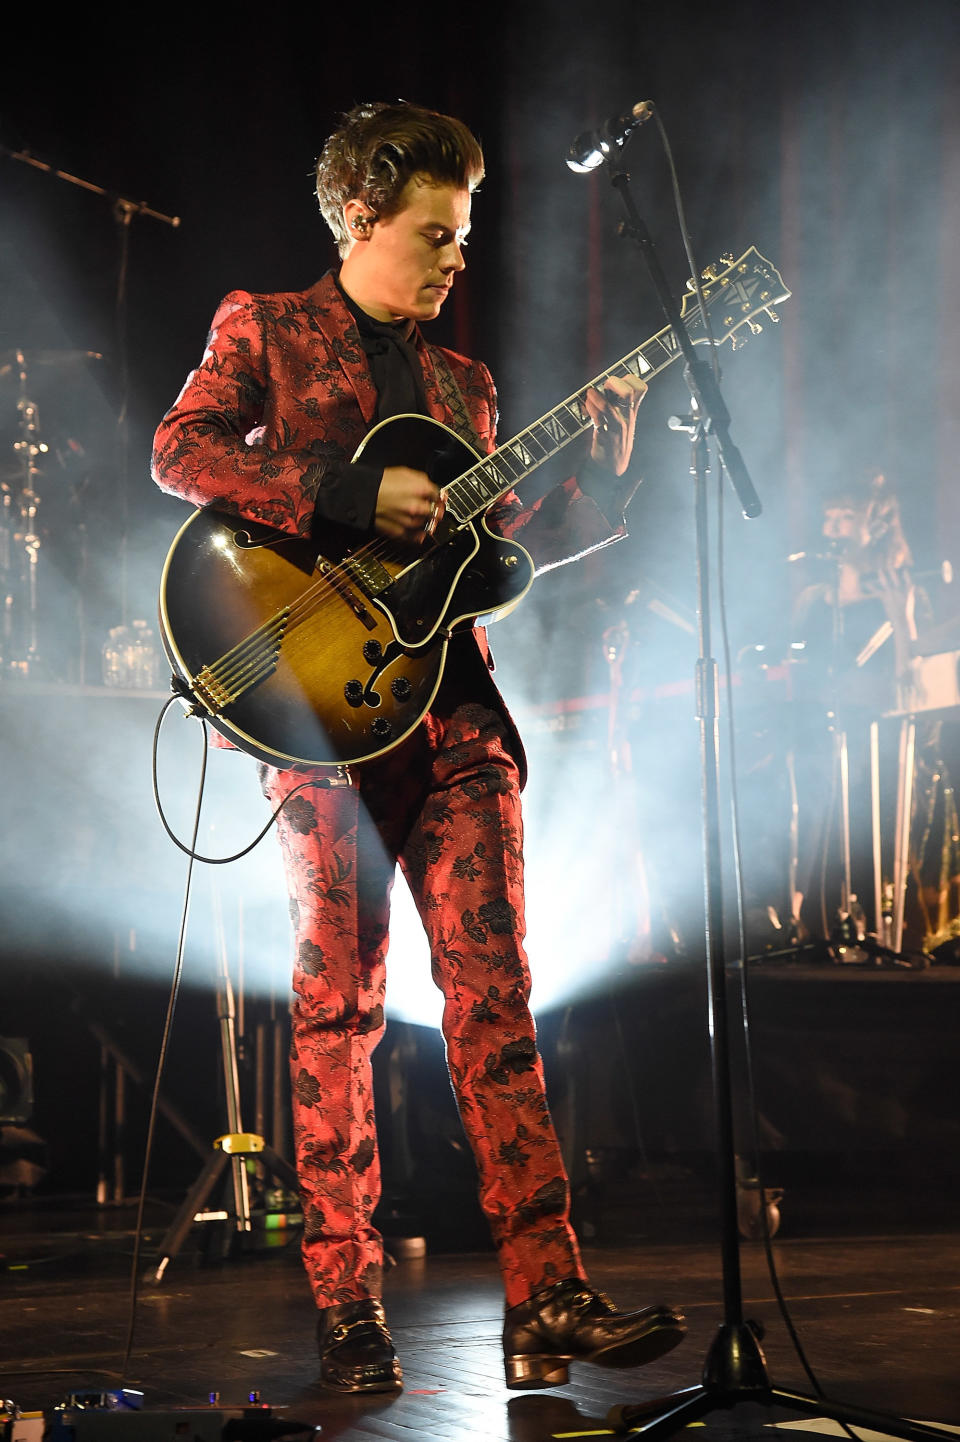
232,1149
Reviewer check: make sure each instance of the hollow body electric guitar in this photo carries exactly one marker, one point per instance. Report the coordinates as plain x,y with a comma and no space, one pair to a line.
331,658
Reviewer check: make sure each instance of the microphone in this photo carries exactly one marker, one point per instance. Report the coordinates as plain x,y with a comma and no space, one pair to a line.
593,147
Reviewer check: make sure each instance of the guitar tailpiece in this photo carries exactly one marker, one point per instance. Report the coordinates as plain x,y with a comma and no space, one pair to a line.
196,707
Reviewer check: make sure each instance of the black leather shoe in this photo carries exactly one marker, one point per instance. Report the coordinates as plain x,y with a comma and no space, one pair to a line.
356,1350
571,1322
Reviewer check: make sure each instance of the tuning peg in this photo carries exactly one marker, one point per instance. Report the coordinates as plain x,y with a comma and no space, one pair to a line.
755,327
738,340
773,315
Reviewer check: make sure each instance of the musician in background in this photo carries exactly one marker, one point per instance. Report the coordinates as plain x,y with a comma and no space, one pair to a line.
859,624
265,428
868,597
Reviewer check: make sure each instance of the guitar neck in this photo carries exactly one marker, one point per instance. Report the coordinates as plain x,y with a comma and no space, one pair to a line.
483,484
734,291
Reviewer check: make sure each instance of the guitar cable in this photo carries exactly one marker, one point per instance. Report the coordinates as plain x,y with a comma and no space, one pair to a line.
191,850
193,856
165,1035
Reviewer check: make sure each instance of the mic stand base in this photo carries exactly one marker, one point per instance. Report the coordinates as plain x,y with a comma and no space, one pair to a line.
734,1374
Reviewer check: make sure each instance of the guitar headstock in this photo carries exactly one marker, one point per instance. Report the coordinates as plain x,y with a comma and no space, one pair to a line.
736,293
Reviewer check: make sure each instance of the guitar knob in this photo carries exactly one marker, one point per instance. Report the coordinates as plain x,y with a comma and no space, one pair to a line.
382,728
353,693
372,651
401,688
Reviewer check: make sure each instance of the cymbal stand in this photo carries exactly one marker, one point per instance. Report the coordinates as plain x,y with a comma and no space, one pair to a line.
734,1371
630,929
20,603
850,939
850,929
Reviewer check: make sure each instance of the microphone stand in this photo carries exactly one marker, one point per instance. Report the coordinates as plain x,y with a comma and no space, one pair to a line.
735,1368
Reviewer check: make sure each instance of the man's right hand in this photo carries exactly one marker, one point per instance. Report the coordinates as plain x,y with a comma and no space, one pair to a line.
405,503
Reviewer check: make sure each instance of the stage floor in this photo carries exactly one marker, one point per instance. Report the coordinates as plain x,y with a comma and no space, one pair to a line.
878,1315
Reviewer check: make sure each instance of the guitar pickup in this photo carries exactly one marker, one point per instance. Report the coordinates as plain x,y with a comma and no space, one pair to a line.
336,579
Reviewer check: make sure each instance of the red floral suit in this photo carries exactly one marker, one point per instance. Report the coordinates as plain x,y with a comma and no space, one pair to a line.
281,400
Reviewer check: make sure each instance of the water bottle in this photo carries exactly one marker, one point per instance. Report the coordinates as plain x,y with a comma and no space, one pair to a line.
116,656
144,658
131,659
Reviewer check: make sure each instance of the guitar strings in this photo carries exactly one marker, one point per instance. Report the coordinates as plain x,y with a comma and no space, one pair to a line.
256,654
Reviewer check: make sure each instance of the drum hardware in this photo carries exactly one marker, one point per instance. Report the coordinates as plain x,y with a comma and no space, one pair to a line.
21,543
124,211
848,938
13,362
20,600
868,560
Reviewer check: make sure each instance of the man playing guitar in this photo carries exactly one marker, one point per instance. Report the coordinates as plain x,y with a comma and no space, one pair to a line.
268,428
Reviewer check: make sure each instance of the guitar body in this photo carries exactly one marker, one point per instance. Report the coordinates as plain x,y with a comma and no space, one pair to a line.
328,658
332,658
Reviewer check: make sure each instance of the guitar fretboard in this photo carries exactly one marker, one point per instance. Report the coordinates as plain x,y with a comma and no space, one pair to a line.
747,288
491,478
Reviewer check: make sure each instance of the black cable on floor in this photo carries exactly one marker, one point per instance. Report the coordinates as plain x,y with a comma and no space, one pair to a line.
164,1043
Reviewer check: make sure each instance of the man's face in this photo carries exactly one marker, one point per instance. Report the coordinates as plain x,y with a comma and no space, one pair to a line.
405,267
842,523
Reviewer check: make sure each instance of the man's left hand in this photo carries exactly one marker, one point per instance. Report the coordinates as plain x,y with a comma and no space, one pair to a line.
613,411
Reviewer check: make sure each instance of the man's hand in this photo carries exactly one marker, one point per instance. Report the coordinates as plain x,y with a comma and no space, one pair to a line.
405,502
614,414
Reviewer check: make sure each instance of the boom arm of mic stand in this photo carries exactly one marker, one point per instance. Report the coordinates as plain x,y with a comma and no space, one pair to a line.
700,377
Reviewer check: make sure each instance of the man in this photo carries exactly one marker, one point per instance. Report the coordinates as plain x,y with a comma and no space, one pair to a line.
858,622
265,427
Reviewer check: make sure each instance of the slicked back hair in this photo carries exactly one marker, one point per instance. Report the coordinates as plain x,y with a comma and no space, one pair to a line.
379,147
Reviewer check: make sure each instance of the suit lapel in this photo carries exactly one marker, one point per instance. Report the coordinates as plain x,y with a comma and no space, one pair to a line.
445,400
431,384
332,318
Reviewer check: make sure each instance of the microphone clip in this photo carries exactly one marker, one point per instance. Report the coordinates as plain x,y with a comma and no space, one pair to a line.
593,147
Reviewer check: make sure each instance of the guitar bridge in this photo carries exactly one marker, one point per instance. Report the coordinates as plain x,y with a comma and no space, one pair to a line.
331,574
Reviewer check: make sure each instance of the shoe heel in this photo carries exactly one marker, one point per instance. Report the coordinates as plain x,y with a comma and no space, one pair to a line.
535,1371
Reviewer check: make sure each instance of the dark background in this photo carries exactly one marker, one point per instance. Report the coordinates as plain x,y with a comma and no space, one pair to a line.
824,134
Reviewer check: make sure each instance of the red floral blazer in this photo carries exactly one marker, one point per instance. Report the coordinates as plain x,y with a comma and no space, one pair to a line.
283,397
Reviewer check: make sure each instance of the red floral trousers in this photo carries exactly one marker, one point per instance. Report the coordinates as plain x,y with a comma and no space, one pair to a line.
446,804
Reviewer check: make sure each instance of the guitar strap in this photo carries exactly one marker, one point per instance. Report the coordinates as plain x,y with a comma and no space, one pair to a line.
453,399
